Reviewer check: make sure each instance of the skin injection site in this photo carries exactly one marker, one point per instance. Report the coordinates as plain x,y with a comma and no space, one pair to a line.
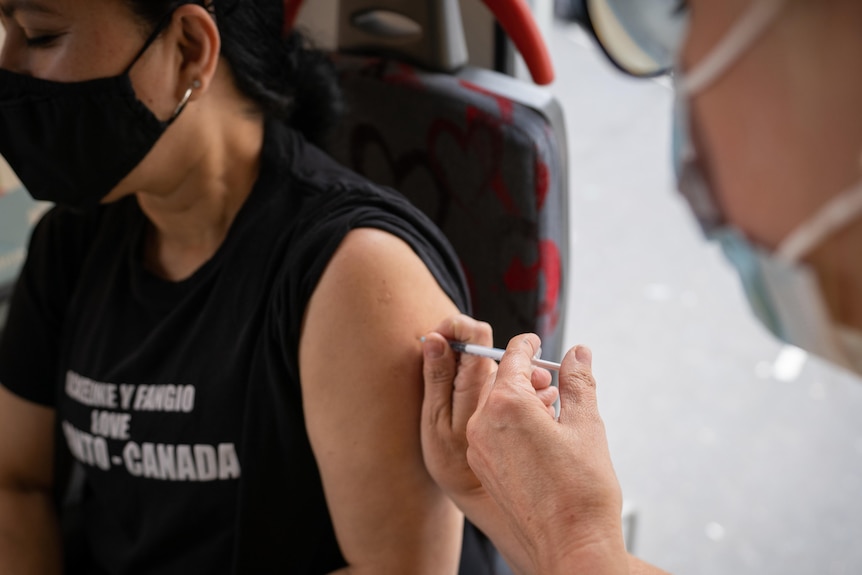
430,287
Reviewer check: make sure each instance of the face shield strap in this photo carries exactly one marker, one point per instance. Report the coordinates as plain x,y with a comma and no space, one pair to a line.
837,214
735,43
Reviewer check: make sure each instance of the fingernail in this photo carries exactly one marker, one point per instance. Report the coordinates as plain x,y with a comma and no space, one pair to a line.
433,349
584,355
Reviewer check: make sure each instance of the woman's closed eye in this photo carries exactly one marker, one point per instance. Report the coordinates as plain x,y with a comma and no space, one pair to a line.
41,40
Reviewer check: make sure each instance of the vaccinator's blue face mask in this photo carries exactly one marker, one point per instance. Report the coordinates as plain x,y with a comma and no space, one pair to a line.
645,38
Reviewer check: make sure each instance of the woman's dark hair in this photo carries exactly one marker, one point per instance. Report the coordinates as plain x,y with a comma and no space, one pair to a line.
287,78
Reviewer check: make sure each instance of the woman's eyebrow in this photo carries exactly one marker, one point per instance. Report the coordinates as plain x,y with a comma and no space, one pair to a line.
10,7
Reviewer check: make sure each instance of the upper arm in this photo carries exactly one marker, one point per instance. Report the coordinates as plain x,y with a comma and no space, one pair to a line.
29,537
26,444
361,372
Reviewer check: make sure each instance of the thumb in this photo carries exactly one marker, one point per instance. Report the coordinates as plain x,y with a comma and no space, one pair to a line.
578,387
438,370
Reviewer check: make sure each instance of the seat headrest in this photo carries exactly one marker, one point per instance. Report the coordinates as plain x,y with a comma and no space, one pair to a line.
430,32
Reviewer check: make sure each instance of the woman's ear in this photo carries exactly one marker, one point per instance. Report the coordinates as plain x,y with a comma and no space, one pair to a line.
199,44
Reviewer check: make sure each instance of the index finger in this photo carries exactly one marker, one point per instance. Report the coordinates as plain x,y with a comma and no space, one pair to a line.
516,367
465,328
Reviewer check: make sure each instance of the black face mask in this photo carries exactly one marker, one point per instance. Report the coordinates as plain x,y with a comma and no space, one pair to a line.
72,143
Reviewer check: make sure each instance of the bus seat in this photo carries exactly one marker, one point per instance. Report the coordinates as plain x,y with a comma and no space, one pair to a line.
481,153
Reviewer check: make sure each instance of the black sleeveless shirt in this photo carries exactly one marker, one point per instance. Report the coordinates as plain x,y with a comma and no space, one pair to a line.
181,400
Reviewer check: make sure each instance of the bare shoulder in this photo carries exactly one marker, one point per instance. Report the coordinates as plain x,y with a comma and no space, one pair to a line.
373,303
375,279
367,252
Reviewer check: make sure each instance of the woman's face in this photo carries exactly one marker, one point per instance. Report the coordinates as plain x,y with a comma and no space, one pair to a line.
78,40
74,40
69,40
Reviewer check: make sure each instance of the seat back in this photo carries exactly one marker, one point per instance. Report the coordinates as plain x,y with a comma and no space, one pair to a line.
481,153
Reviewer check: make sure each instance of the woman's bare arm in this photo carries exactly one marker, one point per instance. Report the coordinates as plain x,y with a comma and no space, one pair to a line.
361,371
29,535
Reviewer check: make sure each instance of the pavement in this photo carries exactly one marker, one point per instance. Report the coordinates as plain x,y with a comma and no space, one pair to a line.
738,455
